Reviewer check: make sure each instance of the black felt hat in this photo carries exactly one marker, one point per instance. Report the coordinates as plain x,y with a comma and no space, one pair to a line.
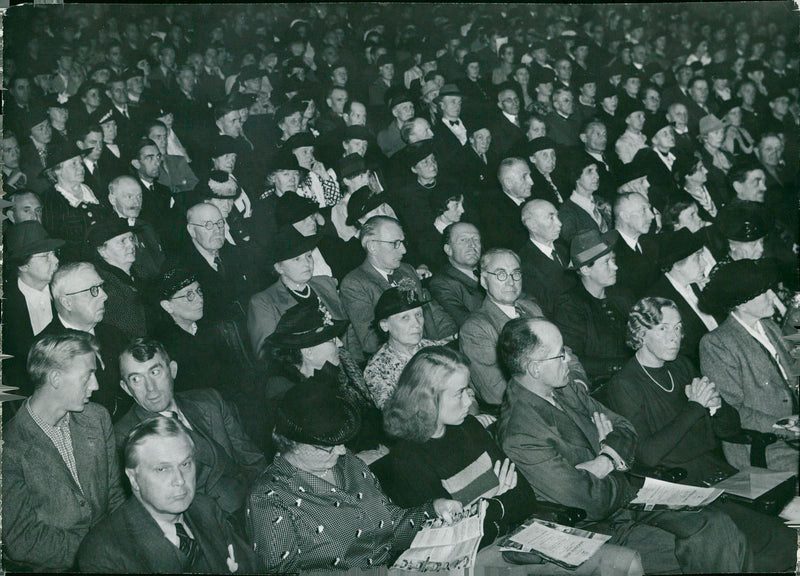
418,151
292,208
29,238
352,165
304,326
589,245
291,244
396,300
679,245
362,202
172,280
736,282
299,140
317,414
104,230
743,221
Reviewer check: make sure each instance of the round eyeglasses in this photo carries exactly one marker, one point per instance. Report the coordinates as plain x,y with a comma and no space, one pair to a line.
93,290
502,275
190,295
209,225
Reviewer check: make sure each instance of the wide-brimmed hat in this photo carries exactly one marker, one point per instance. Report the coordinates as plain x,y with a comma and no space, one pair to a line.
654,124
352,165
240,100
363,201
590,245
56,100
736,282
605,90
291,244
172,280
104,230
539,144
63,153
29,238
633,171
36,116
395,300
449,90
709,123
223,144
681,244
284,160
316,413
744,221
397,96
299,140
418,151
292,208
304,326
356,132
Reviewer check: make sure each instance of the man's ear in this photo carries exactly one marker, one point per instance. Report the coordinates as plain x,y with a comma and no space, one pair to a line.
131,474
136,164
125,387
173,368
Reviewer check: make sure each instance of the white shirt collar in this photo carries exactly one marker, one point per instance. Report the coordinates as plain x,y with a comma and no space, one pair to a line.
509,311
73,327
628,240
691,299
513,119
546,250
517,201
74,201
584,202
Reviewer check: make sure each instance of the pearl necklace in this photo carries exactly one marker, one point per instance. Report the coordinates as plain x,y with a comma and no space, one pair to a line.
671,381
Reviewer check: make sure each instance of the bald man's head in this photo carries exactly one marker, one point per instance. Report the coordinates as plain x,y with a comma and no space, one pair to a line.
541,219
125,196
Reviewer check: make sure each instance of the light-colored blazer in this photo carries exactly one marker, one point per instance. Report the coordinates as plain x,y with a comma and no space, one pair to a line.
748,378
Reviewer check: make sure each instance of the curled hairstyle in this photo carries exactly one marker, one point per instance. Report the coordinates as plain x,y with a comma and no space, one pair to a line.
646,314
517,342
158,426
412,412
55,352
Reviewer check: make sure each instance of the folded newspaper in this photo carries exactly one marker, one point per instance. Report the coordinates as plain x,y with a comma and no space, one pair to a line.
443,546
791,513
562,545
661,495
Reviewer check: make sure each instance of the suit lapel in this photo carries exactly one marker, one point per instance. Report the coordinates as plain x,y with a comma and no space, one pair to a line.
86,441
159,554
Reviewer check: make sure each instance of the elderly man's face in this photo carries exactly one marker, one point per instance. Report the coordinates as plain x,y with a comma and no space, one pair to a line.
508,102
149,383
481,140
207,227
186,79
508,290
339,76
544,222
382,251
126,199
639,214
678,114
699,91
26,207
85,308
563,102
164,477
10,151
337,101
563,70
451,106
596,138
517,181
40,267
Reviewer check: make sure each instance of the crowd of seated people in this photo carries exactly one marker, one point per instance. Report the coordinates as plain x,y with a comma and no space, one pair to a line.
283,281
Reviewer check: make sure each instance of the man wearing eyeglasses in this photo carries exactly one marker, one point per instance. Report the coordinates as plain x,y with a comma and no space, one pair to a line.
384,242
214,263
574,451
501,277
80,303
227,460
506,128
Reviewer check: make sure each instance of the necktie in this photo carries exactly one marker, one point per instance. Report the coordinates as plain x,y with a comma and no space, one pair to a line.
519,310
220,266
188,545
557,258
483,157
638,248
554,189
598,218
43,157
393,279
125,113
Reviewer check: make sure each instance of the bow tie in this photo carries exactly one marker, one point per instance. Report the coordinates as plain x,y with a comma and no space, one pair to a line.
454,122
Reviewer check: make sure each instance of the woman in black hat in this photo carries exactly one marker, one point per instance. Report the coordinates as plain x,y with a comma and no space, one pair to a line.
306,346
317,182
399,318
71,207
319,507
747,357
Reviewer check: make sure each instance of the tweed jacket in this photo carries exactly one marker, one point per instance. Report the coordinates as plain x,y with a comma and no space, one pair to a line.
546,443
360,291
267,307
748,378
458,294
45,513
575,219
478,340
232,452
129,541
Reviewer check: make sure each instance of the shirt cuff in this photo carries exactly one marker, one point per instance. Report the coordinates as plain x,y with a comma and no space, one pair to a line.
619,463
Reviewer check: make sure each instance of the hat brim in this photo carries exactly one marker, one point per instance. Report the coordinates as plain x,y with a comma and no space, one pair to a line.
406,306
38,247
305,244
587,257
308,339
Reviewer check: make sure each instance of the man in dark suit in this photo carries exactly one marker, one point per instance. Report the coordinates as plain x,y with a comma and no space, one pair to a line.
227,460
576,451
60,469
638,252
158,205
456,286
658,160
594,138
506,128
544,257
500,209
35,149
562,123
166,527
383,240
684,270
450,132
79,300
